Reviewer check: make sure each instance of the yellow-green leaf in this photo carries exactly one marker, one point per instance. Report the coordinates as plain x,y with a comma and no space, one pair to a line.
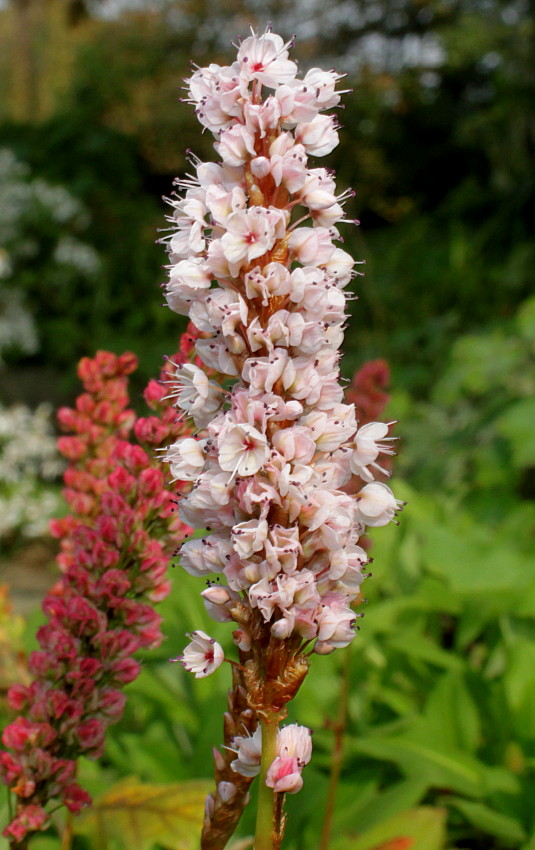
138,815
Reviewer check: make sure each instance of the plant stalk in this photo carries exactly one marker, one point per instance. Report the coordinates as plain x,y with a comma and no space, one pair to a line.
67,833
265,820
339,729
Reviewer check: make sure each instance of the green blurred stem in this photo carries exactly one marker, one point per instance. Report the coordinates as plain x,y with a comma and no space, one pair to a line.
265,813
339,729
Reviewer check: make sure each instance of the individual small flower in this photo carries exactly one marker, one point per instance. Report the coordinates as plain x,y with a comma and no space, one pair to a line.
205,555
336,622
368,448
284,776
195,394
294,751
250,234
249,537
377,504
243,450
186,459
265,58
202,655
294,740
319,136
236,145
248,749
311,245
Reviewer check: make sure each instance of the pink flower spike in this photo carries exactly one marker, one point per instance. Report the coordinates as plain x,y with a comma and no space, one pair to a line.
202,656
277,475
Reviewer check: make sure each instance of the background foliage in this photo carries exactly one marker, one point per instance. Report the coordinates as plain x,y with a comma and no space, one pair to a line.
438,142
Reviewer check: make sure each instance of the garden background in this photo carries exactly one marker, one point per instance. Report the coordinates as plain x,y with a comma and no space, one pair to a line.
436,698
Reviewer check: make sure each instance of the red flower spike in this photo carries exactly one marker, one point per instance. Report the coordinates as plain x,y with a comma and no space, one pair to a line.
116,491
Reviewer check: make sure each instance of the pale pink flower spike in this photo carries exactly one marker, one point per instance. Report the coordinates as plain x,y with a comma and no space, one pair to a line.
284,475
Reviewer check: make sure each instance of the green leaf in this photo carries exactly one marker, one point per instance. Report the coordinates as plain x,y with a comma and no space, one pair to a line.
490,821
452,712
394,800
526,319
472,563
452,769
519,682
516,424
45,842
416,829
139,815
422,648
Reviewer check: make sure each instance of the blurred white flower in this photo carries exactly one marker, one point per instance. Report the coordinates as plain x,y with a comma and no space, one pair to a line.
29,468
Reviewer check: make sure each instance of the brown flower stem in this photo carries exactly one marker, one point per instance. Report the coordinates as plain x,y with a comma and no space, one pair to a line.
339,729
223,814
265,818
280,821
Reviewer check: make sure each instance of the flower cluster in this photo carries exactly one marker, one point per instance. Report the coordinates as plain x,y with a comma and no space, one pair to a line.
255,264
115,546
293,748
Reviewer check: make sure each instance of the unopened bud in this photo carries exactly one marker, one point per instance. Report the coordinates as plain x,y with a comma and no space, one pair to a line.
216,595
219,761
260,166
226,791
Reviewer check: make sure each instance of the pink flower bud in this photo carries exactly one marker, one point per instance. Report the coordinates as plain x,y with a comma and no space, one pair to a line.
319,137
216,594
260,166
284,776
75,798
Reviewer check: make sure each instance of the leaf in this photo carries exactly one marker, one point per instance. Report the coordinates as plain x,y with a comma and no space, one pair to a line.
451,715
420,647
423,827
526,319
139,815
44,842
490,821
472,562
519,684
452,769
392,801
516,424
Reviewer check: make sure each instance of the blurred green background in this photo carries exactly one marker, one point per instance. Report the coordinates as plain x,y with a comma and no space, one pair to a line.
438,141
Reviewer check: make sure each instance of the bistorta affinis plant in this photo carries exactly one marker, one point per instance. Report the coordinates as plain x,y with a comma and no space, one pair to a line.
115,546
255,265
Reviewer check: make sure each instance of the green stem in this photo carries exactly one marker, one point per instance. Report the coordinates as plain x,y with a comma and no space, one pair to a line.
265,812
